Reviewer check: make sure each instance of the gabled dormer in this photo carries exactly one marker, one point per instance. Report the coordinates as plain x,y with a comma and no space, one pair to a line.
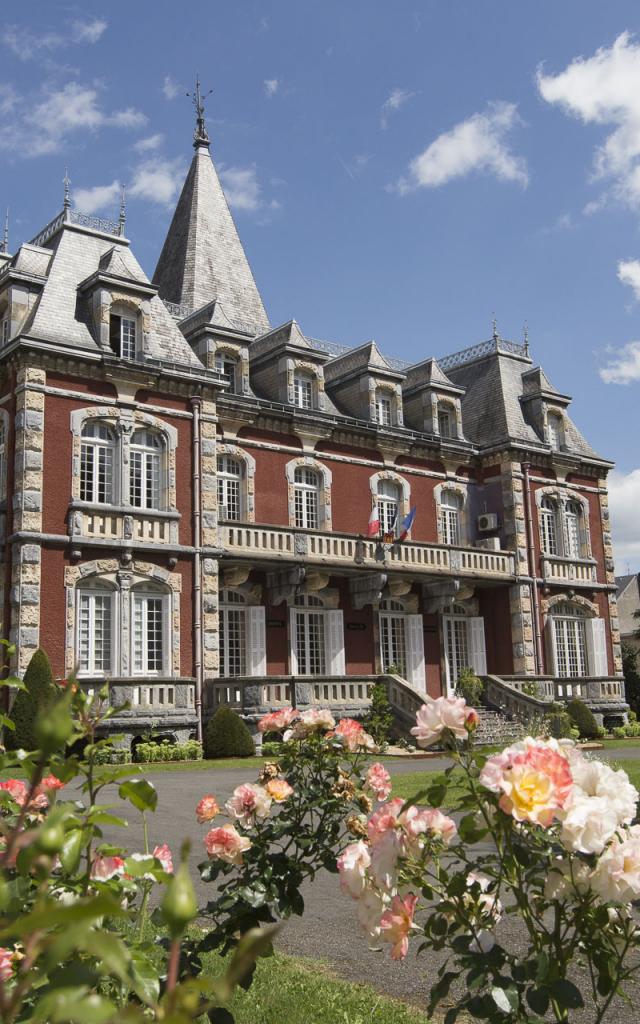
221,344
285,367
432,402
117,300
545,408
22,278
364,384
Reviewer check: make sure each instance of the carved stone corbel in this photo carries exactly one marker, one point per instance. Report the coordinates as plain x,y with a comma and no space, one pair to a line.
366,589
283,585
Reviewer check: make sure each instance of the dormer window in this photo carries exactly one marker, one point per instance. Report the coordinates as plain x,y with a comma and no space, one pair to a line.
446,420
555,431
383,408
122,335
303,391
227,367
5,329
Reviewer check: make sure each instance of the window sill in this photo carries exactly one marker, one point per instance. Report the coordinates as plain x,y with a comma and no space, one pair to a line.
123,510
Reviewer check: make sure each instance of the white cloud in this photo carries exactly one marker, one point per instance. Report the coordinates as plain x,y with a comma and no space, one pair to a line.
45,126
396,99
158,180
8,98
629,273
27,45
477,144
241,187
623,366
271,86
170,88
354,168
150,143
624,501
605,89
98,198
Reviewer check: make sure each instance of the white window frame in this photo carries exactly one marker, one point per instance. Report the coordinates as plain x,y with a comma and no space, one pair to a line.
98,454
230,487
568,641
91,594
384,408
141,596
303,390
555,431
549,531
389,505
227,366
451,508
143,459
307,494
446,415
127,338
309,625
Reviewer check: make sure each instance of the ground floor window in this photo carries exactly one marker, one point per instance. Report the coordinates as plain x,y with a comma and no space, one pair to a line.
392,637
464,645
123,631
316,638
576,642
242,636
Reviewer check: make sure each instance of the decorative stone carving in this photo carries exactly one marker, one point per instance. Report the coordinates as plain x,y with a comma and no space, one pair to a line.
366,589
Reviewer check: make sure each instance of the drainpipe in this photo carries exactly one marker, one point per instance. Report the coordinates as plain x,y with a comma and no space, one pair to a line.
532,568
197,564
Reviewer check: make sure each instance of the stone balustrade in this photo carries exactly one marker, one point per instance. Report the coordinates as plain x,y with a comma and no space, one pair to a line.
106,522
568,570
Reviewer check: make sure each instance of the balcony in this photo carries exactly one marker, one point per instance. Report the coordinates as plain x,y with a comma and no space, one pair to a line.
568,570
269,693
112,523
343,550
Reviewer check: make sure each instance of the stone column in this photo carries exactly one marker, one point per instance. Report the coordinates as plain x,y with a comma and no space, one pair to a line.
520,593
610,577
209,493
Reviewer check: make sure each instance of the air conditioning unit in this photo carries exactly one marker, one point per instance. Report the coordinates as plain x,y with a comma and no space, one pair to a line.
487,521
489,544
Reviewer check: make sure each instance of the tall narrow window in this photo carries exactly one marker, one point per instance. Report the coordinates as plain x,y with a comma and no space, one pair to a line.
3,461
388,499
310,637
148,632
95,631
393,643
383,408
146,470
97,448
229,487
549,526
555,431
233,634
6,329
570,640
227,367
302,391
306,490
573,529
446,420
122,335
450,516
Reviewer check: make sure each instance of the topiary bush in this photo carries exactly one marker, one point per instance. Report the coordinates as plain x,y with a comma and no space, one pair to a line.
470,686
39,694
582,718
226,735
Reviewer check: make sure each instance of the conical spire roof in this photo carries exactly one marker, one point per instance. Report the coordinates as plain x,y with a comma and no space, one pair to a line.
202,257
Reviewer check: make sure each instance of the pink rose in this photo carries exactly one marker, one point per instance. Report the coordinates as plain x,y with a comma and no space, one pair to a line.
206,809
378,781
428,821
248,802
17,789
279,790
50,783
6,964
276,721
104,868
353,735
352,866
313,720
440,715
227,844
163,854
396,924
534,781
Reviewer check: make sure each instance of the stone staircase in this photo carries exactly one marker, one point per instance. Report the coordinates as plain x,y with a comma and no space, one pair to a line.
496,728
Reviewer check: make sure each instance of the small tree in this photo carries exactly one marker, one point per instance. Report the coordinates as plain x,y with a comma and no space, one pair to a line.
470,686
380,717
226,735
39,694
631,676
582,716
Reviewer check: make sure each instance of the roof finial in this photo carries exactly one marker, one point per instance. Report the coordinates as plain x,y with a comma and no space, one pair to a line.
122,220
526,338
4,245
66,181
496,336
200,137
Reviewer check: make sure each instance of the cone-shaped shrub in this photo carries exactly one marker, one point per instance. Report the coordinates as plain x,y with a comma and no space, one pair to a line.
39,694
583,718
226,735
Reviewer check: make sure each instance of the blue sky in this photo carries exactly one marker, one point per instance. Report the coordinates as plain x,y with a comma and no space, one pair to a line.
398,171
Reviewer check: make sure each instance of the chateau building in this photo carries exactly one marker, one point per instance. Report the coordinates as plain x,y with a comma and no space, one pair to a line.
186,491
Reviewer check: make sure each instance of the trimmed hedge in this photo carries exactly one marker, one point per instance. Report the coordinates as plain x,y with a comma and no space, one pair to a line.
226,735
148,753
583,719
39,695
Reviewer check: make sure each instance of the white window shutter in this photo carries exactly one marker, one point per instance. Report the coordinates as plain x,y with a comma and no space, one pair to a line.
293,654
596,647
256,642
477,648
334,639
550,643
414,640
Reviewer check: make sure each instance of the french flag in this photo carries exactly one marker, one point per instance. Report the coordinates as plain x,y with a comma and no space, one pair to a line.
407,523
373,528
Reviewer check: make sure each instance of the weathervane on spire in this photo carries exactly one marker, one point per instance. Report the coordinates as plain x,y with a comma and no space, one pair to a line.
526,338
122,220
200,136
496,336
66,181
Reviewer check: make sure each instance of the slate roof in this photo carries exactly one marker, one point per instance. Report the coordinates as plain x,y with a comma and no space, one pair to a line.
427,374
202,257
59,316
365,358
622,582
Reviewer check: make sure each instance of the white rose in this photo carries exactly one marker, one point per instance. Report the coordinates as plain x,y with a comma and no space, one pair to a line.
616,877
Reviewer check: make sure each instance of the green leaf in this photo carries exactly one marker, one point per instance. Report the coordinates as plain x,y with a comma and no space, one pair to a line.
98,816
53,914
538,1000
111,951
72,850
145,979
140,793
12,681
566,993
73,1006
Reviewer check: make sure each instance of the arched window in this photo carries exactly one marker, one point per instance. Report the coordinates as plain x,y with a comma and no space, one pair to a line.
450,517
306,498
569,633
97,449
388,499
383,407
95,630
229,487
233,632
555,430
393,643
227,367
145,486
150,629
573,531
3,460
446,420
303,390
123,333
549,526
